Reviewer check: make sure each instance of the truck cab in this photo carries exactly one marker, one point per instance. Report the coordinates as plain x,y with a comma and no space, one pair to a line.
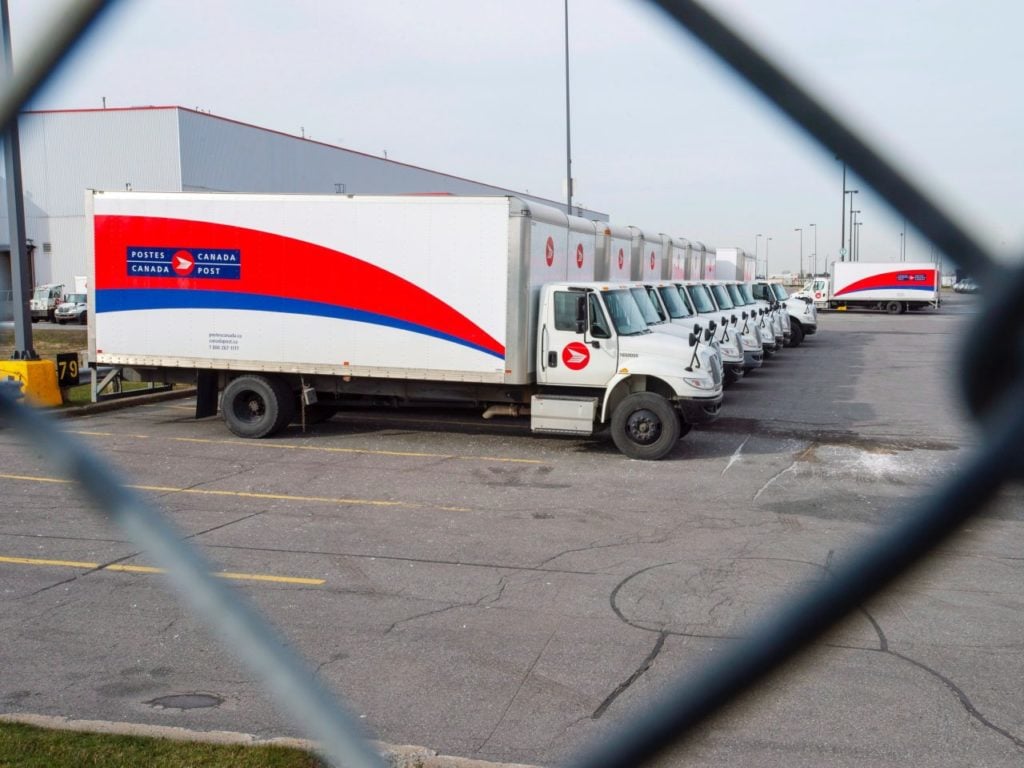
600,363
674,303
45,300
818,291
657,320
803,315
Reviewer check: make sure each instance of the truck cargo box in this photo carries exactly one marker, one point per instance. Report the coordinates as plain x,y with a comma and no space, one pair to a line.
392,287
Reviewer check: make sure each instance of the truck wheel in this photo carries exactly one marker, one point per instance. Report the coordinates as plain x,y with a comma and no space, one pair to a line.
82,319
256,406
645,426
894,307
796,334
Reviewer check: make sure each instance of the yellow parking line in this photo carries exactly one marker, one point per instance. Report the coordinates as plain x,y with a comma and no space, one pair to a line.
322,448
247,494
149,569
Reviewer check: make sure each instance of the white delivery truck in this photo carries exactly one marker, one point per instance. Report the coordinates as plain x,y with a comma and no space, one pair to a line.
802,314
278,302
45,300
892,286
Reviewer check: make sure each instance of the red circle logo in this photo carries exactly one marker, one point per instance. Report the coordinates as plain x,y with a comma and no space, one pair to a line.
652,259
817,294
182,262
575,356
579,255
622,258
549,252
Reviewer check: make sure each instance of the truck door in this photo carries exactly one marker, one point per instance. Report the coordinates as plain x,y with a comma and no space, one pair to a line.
820,290
578,346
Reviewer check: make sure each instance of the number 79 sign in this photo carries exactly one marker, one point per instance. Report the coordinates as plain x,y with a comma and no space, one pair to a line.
67,369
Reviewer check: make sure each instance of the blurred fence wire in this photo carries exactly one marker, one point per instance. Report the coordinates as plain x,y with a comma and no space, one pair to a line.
992,385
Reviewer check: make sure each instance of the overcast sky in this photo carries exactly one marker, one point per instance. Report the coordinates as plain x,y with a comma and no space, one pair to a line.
662,136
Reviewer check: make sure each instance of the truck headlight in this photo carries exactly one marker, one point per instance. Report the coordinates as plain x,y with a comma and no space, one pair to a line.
703,382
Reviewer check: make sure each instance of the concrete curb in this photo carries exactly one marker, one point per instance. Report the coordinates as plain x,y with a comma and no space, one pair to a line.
121,402
395,756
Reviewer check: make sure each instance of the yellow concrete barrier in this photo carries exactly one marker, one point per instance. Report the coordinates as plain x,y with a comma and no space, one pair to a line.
38,380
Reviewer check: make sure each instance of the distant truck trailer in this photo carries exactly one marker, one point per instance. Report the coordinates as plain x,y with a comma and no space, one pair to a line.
893,287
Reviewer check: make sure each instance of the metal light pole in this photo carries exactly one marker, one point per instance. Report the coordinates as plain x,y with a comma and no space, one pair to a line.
801,231
766,273
849,249
757,238
856,240
903,241
842,216
814,256
902,257
568,133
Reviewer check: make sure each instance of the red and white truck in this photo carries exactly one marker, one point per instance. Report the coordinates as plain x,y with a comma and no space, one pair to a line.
287,302
893,286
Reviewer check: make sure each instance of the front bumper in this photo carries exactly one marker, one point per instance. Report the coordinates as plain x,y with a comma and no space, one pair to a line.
702,410
752,359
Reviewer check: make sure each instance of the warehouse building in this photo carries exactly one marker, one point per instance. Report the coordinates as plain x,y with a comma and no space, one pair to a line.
170,149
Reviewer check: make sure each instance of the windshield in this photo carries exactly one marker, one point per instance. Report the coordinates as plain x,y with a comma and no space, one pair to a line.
645,305
701,299
625,313
722,297
659,306
674,301
41,293
737,297
780,293
748,294
76,298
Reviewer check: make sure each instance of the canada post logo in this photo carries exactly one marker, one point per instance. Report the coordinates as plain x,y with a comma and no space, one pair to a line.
210,263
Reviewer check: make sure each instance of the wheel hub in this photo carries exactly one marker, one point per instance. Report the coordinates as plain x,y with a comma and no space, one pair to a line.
643,427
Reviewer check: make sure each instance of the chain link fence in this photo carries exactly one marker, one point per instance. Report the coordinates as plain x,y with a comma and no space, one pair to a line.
992,385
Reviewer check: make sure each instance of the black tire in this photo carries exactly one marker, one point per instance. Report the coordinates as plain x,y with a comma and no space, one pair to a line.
646,426
894,307
82,319
256,406
796,336
61,322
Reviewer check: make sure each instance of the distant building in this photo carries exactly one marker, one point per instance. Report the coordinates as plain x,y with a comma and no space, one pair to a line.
168,149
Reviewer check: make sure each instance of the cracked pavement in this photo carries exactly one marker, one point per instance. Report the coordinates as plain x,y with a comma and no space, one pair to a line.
494,595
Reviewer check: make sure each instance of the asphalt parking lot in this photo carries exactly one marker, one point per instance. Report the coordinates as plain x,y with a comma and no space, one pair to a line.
490,594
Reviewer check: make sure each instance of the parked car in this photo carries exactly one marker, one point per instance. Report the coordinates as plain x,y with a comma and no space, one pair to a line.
967,285
72,309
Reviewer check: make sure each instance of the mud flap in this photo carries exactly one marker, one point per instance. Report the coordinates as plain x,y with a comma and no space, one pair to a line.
206,394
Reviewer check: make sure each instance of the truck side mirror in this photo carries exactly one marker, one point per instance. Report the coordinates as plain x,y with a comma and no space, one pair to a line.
693,339
712,326
709,334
